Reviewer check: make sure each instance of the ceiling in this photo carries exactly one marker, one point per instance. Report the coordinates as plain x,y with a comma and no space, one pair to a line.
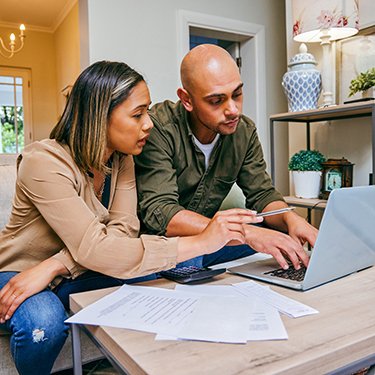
37,15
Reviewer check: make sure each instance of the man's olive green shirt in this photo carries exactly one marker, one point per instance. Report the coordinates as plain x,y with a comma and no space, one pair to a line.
171,174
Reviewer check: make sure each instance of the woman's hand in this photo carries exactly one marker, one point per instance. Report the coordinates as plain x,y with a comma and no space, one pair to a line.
224,227
26,284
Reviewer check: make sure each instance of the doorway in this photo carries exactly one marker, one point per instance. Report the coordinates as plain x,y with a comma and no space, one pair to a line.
15,110
232,47
247,42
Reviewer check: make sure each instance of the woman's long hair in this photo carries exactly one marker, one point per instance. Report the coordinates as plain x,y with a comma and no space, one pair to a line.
83,126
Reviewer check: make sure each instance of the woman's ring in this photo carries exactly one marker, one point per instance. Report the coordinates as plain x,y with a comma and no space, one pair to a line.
14,296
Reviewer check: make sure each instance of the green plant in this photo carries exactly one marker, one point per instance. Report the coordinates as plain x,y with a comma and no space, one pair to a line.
310,160
11,142
363,82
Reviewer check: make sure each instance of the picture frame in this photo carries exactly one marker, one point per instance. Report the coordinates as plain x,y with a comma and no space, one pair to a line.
353,56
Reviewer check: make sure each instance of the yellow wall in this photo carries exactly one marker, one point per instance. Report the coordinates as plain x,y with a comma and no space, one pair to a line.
66,39
53,59
38,56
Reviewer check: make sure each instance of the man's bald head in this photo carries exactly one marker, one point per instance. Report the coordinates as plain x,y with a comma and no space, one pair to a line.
212,92
206,61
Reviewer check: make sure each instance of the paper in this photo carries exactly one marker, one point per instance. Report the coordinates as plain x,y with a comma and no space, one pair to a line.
266,324
154,310
171,312
265,321
284,304
219,319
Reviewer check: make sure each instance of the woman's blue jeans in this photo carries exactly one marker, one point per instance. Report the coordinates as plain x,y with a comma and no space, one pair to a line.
37,327
38,331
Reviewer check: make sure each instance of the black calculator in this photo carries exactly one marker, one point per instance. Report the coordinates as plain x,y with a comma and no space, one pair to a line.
188,274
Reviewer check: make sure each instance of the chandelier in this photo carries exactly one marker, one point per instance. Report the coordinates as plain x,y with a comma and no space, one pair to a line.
12,44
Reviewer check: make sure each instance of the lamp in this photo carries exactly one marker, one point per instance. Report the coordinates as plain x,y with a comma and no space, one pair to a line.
12,44
324,21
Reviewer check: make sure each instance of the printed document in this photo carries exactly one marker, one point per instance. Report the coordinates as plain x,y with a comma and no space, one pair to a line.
265,322
164,311
284,304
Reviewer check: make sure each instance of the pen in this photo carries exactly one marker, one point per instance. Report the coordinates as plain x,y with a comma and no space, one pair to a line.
276,212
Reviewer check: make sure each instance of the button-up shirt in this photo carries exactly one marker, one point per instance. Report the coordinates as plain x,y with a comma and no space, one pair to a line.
171,173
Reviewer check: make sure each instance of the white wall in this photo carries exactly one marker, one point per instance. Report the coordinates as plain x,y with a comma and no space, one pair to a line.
144,34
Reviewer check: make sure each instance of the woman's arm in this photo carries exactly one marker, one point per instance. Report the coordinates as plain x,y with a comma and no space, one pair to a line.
26,284
107,243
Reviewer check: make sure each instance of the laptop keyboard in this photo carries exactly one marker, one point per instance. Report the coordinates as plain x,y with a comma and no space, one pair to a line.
291,273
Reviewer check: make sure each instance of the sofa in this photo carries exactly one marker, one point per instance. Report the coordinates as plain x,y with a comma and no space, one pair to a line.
65,359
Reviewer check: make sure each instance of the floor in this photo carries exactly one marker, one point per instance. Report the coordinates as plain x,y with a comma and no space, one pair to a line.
102,367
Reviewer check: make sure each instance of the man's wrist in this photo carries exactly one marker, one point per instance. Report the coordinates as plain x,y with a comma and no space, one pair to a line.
290,218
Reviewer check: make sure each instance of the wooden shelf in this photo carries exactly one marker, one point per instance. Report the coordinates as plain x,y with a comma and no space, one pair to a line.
337,112
316,204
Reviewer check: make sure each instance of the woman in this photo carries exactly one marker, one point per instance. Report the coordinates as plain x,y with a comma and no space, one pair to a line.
73,225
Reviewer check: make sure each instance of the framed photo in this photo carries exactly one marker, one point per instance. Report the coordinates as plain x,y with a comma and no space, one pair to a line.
354,55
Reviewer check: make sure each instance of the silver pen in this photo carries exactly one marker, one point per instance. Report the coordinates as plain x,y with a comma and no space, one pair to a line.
276,212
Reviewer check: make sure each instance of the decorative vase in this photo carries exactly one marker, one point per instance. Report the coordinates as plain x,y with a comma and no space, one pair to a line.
369,93
306,183
303,83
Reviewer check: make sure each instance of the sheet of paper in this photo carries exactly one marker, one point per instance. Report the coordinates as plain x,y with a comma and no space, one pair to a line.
265,322
154,310
284,304
219,319
164,311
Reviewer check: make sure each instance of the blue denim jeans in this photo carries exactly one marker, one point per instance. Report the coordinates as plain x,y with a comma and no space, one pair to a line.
38,331
37,327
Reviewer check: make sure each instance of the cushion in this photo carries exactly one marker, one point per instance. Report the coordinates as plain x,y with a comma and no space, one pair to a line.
8,175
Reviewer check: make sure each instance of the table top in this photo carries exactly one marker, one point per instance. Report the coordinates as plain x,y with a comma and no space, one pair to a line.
342,333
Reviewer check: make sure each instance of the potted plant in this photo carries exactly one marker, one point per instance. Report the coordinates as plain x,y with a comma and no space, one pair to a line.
306,167
363,82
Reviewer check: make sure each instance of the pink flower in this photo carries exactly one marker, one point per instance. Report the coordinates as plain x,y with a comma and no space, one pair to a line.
297,29
343,21
328,19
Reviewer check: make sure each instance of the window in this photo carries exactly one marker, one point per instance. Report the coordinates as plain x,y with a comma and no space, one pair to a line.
15,110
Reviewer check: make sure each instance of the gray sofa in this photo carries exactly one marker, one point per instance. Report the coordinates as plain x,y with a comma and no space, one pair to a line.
64,361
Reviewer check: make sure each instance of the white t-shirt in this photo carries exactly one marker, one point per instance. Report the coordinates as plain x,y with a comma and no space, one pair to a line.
207,149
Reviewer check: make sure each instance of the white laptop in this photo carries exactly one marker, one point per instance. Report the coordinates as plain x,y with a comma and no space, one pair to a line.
345,243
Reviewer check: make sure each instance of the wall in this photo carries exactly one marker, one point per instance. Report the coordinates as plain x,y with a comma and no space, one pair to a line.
38,56
144,34
67,56
54,60
348,138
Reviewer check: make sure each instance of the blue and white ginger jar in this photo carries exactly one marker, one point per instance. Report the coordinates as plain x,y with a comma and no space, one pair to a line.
303,83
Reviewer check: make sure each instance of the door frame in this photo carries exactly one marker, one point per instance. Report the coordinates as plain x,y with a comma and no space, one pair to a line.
25,74
253,53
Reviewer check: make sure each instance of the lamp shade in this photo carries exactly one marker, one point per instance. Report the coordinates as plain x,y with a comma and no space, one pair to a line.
310,18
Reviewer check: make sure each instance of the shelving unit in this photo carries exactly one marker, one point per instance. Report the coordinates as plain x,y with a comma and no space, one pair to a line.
339,112
316,204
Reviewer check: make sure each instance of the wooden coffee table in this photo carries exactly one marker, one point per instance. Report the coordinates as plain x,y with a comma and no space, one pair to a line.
338,340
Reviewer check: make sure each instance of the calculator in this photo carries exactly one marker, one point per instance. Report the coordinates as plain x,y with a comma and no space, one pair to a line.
188,274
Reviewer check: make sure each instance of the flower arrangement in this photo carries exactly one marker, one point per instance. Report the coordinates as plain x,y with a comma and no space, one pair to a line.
306,160
363,82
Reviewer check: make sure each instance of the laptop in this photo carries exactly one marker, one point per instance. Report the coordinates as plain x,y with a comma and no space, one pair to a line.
345,243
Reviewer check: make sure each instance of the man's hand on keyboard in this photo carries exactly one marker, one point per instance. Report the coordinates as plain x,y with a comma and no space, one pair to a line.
281,246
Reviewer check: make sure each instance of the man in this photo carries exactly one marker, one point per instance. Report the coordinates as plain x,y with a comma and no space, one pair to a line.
197,149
